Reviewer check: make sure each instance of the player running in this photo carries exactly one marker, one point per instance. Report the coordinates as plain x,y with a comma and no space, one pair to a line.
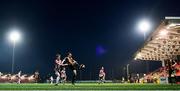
73,65
58,67
102,75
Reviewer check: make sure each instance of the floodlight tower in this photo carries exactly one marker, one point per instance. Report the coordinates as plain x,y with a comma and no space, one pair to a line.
144,26
14,37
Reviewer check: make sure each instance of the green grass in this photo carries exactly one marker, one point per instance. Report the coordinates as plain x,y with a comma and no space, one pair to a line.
90,86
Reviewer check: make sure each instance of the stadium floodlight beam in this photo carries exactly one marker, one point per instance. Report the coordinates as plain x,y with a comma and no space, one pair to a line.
14,37
144,26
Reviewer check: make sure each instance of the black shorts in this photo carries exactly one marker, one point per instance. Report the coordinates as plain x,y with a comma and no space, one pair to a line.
101,77
73,67
62,77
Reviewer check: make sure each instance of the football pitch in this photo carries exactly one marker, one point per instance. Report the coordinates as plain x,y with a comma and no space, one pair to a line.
89,86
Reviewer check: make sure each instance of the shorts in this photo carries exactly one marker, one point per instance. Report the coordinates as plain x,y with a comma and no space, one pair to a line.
101,77
62,77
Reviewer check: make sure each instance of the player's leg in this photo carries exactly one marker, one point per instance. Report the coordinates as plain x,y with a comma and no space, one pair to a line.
103,79
51,82
100,79
57,78
63,80
74,76
19,80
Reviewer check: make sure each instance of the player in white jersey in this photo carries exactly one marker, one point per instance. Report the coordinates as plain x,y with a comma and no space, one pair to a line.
102,75
58,67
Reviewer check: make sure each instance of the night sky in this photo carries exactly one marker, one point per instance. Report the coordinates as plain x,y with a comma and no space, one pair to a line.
97,32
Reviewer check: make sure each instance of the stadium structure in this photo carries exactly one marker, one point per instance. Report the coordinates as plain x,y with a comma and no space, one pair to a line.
162,45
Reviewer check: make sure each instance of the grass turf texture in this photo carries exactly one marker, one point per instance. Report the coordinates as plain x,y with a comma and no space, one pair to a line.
90,86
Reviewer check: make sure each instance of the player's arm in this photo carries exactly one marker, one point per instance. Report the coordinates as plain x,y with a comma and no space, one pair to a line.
63,62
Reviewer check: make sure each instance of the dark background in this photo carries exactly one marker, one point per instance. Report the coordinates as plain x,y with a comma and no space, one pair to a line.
97,32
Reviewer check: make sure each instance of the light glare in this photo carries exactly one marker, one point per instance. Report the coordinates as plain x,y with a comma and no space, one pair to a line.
14,36
144,25
163,32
